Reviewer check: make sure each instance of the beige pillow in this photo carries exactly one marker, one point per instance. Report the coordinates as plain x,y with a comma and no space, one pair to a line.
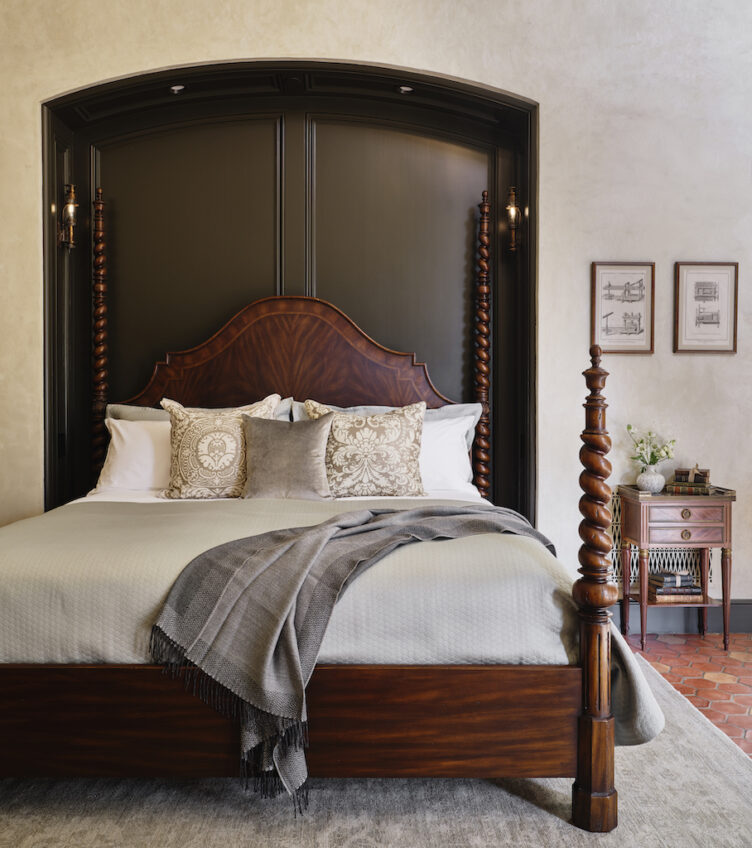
375,454
286,459
207,449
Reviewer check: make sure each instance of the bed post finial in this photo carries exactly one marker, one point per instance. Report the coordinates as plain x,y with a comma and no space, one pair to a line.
482,353
594,799
99,339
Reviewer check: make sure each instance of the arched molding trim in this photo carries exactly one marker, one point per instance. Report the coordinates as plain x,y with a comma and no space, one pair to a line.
77,123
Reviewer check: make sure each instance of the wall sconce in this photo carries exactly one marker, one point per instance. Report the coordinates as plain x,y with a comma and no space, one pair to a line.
68,217
513,217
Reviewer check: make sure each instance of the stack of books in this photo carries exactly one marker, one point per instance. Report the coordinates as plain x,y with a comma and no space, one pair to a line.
667,587
690,481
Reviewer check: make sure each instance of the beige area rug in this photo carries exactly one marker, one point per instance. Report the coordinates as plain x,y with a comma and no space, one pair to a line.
689,787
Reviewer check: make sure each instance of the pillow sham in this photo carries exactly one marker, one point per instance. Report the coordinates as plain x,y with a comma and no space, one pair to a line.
207,449
286,459
283,412
444,456
133,412
373,455
138,456
450,410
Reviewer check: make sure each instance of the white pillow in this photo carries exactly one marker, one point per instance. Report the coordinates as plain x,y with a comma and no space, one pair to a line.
138,457
444,458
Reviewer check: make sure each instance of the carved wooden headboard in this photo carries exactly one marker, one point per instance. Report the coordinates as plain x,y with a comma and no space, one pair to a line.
296,346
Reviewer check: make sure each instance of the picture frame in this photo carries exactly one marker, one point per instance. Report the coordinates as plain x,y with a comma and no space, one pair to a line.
706,297
622,306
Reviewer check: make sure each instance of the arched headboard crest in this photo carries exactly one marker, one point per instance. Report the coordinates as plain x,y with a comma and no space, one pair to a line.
296,346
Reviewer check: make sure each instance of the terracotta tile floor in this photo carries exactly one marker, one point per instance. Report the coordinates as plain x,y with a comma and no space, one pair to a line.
719,684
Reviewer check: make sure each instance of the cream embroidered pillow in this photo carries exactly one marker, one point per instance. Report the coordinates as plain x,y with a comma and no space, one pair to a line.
375,454
207,449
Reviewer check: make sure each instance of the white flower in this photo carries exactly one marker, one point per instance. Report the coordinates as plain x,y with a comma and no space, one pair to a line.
647,450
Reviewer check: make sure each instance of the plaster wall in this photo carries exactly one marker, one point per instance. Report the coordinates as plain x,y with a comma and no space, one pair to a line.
645,121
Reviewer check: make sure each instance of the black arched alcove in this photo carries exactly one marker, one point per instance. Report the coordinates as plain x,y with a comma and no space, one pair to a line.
226,183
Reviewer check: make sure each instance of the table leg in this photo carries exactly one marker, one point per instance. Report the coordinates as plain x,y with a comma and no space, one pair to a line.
726,582
626,550
702,612
643,560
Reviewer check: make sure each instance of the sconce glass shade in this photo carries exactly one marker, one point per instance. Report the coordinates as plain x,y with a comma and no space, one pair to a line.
68,217
513,217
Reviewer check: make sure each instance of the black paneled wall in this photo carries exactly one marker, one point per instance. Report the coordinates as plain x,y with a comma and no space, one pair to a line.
382,225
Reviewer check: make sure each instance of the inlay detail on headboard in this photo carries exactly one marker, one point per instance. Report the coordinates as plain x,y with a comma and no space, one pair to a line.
296,346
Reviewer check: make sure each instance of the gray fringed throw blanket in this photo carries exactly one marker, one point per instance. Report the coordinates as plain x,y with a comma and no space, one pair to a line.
248,618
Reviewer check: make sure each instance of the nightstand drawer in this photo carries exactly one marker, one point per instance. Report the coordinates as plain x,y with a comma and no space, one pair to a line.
685,513
686,535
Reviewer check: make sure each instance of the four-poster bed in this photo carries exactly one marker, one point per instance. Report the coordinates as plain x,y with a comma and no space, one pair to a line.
365,720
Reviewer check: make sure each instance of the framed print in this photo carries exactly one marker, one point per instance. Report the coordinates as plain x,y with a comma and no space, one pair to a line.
705,307
622,297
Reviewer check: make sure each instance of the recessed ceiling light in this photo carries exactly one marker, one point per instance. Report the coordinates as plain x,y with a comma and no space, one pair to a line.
177,89
405,89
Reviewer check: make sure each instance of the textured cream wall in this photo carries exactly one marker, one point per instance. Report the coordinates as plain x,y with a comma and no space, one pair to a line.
646,121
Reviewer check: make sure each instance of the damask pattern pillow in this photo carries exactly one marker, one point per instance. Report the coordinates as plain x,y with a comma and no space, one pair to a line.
373,455
207,449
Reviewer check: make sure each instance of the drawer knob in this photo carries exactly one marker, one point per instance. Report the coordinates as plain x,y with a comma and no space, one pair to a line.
686,534
686,513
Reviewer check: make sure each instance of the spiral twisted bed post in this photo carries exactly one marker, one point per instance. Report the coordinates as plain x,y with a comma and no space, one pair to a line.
99,339
594,799
482,353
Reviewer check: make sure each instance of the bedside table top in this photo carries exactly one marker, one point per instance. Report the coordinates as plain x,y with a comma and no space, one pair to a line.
631,492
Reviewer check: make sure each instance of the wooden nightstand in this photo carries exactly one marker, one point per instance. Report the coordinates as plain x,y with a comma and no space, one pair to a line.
676,521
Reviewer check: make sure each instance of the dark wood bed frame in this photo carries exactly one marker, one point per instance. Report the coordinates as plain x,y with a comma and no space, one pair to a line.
365,720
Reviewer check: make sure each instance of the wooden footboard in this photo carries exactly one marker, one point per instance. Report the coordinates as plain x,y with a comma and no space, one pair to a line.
365,721
444,721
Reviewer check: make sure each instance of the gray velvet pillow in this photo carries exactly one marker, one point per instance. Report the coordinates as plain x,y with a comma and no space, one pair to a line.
286,459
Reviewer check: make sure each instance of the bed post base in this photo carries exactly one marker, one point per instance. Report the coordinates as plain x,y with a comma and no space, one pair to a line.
594,799
593,810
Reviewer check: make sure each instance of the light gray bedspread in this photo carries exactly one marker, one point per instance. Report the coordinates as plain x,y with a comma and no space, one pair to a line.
251,614
84,583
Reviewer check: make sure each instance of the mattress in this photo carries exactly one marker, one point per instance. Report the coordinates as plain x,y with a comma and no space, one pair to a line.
84,583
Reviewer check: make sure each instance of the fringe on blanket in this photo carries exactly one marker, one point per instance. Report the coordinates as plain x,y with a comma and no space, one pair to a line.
255,763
